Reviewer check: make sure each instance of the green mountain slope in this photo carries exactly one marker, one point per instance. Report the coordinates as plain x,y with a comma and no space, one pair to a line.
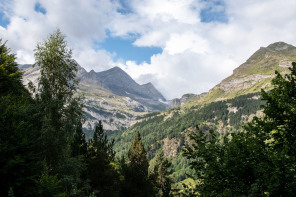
226,108
167,130
254,74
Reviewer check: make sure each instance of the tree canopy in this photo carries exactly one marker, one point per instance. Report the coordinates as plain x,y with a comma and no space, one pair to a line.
260,161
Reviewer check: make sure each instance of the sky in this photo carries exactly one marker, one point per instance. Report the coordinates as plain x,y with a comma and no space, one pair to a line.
181,46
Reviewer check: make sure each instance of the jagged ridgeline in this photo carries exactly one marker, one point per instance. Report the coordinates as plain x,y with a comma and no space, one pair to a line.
226,107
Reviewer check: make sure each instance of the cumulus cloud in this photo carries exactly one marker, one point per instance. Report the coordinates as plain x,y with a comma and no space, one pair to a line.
83,23
196,55
97,60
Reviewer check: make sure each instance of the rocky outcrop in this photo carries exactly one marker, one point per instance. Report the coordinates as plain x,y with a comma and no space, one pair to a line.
171,147
186,98
241,83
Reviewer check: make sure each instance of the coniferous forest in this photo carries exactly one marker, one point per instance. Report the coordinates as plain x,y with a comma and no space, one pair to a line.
44,152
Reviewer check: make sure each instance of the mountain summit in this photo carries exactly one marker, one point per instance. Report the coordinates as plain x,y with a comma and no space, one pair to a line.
120,83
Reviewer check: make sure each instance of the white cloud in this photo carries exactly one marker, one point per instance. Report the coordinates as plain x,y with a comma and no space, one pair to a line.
99,60
24,57
187,41
196,55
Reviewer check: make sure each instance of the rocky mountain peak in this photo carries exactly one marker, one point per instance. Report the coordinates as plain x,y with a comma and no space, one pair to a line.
120,83
280,46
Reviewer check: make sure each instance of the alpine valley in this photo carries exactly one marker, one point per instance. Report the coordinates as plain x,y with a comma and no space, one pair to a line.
225,108
126,107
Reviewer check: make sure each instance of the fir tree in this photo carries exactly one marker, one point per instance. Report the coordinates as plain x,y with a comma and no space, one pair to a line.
161,175
101,173
137,156
79,144
137,181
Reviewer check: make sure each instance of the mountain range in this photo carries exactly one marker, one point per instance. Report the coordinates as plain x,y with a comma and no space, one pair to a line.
125,107
111,96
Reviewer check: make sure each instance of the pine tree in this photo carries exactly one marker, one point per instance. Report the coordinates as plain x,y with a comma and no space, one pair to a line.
101,173
137,156
79,144
137,181
161,175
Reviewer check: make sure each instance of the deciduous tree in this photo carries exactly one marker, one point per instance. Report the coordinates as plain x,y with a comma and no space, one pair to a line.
60,110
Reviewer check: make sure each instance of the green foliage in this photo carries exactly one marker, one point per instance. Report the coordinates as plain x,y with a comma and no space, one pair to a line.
174,123
136,180
257,162
161,176
60,112
50,184
101,173
279,125
79,145
10,76
137,156
20,148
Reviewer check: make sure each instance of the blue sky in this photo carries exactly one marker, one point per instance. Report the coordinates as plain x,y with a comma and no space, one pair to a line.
181,46
3,20
212,14
124,49
39,8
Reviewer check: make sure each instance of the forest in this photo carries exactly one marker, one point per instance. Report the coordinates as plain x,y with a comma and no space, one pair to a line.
44,152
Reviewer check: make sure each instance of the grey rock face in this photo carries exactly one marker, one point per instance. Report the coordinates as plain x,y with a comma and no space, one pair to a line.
120,83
